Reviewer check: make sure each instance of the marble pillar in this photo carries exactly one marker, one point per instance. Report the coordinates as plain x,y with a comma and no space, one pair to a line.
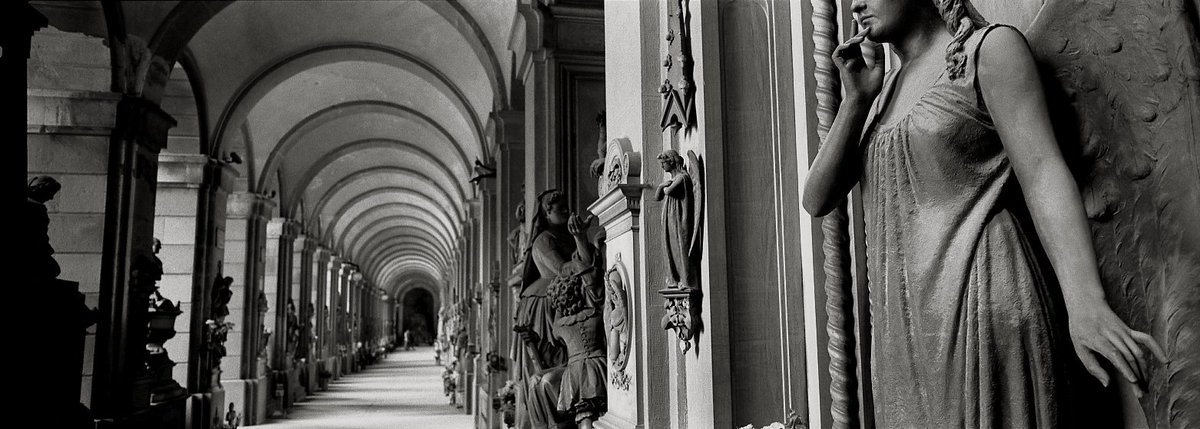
243,370
321,284
277,284
181,185
303,293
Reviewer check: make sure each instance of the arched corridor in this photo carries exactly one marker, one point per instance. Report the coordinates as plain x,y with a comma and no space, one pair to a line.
402,391
596,213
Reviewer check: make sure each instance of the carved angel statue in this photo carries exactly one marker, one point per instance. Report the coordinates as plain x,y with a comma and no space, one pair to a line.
683,215
962,178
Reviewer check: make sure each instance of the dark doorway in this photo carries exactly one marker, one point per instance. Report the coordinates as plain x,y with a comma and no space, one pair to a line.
419,315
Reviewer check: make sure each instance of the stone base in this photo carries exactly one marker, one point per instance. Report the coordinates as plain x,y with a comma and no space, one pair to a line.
249,398
171,414
203,409
314,375
295,388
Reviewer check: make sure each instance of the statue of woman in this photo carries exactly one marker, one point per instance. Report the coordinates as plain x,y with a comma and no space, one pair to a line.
537,355
681,217
959,304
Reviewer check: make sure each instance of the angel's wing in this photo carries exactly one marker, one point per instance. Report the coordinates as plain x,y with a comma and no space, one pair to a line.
1123,79
695,169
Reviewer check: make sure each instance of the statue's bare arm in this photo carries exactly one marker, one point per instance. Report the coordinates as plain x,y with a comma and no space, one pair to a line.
1013,94
838,165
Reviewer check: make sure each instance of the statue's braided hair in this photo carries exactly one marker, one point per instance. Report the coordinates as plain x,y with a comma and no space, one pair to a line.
961,19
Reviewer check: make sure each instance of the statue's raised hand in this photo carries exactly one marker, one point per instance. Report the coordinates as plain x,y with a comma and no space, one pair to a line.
579,226
861,73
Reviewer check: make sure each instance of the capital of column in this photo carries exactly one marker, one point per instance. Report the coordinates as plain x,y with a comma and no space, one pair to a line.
143,122
282,228
243,205
510,129
177,170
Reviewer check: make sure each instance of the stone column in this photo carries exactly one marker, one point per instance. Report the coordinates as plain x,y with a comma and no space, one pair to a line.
332,330
277,283
125,280
321,283
243,370
510,179
303,292
182,185
203,378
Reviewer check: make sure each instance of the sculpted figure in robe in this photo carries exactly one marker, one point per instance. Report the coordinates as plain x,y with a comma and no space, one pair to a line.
960,306
538,357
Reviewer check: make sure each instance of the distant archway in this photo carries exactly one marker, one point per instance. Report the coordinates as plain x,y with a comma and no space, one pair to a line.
420,315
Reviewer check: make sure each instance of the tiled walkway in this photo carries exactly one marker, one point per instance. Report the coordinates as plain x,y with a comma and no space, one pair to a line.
403,391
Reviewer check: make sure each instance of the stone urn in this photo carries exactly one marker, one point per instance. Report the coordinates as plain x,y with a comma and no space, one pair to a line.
161,326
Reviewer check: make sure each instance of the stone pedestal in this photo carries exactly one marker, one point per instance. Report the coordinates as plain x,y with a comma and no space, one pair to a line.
636,345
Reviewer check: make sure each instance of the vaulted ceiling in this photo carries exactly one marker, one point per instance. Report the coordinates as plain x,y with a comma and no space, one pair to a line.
364,116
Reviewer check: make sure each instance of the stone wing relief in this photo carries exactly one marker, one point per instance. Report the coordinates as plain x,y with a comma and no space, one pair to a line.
1124,90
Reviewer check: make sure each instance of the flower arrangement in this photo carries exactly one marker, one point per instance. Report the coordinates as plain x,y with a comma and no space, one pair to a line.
507,396
794,421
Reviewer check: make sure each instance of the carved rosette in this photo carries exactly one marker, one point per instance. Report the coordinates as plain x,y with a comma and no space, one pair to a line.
622,165
681,316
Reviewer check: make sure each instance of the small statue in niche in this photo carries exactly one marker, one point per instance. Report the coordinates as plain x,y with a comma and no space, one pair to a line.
293,328
517,238
576,302
265,334
39,190
597,166
232,419
217,327
221,295
682,217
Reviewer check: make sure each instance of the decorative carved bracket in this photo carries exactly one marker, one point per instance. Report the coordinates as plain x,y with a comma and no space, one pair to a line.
682,314
678,90
621,165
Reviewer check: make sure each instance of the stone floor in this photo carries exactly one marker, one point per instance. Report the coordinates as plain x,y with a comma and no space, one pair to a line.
403,391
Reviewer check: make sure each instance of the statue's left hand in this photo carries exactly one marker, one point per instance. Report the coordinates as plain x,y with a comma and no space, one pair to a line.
1098,330
578,226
